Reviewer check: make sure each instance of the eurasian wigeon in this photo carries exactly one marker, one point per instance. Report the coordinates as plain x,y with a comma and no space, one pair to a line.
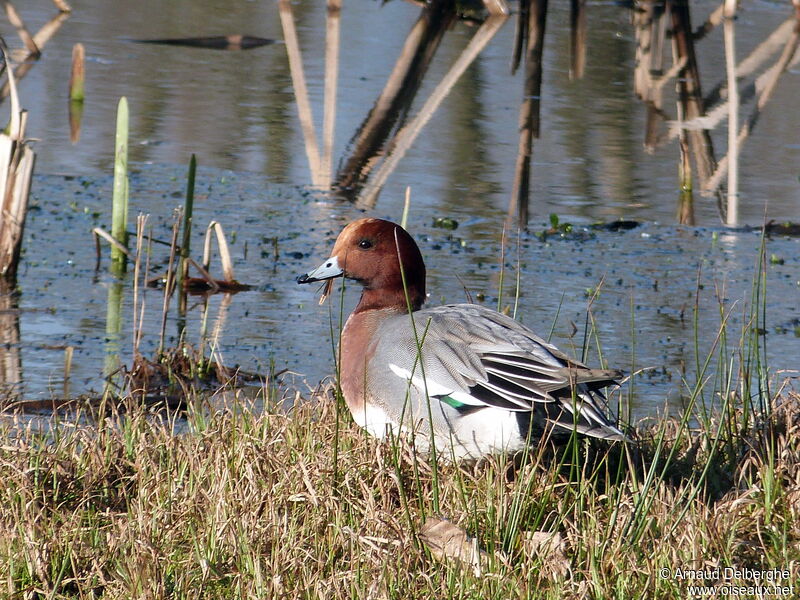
477,380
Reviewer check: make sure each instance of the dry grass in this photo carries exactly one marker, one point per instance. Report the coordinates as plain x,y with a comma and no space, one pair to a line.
237,501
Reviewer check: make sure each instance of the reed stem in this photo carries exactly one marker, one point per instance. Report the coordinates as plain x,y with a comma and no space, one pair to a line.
78,74
119,207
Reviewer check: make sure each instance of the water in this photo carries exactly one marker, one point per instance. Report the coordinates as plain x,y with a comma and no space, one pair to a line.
236,111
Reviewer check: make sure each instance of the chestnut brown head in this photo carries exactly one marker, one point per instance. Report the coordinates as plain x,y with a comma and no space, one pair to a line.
379,255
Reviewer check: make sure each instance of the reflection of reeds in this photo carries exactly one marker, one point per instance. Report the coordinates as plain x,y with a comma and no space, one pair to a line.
650,27
689,89
390,109
331,79
577,38
62,5
697,115
300,89
651,22
168,285
112,361
75,117
732,215
529,108
765,86
139,275
406,136
183,264
22,31
10,360
320,164
33,44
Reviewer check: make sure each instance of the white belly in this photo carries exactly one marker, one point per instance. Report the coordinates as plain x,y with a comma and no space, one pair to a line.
375,420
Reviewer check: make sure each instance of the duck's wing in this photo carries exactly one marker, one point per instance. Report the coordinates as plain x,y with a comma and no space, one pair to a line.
473,357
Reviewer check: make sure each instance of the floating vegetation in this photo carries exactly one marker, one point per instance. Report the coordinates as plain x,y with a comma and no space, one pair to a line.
445,223
179,373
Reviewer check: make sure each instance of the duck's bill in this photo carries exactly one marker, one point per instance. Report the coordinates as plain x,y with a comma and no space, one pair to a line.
326,272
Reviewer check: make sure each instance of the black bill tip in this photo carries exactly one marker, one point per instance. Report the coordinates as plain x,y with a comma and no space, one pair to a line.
304,278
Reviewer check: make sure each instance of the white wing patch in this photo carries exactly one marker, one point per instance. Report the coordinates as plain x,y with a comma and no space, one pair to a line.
434,388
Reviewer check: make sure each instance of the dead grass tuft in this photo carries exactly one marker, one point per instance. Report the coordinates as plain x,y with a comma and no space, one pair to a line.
231,499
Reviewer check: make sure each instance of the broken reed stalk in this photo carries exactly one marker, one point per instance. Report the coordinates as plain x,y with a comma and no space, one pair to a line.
77,74
224,252
16,171
183,264
119,206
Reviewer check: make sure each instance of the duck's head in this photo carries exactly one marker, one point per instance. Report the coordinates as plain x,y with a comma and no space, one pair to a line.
379,255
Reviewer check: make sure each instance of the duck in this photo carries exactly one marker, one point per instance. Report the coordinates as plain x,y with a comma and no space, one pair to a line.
461,380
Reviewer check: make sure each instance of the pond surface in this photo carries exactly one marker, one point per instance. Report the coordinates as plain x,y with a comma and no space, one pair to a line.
236,112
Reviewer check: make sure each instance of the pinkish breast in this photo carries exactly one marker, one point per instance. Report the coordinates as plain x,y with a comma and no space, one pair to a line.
358,346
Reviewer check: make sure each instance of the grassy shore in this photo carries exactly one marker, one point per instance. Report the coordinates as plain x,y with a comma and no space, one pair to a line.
247,502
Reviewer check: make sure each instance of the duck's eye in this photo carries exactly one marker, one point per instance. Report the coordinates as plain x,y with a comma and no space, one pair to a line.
365,244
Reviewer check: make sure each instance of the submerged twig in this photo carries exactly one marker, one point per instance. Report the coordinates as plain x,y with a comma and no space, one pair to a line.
98,232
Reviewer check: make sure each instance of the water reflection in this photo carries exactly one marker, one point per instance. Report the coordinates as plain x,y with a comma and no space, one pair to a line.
588,165
390,110
10,360
176,113
33,44
384,136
